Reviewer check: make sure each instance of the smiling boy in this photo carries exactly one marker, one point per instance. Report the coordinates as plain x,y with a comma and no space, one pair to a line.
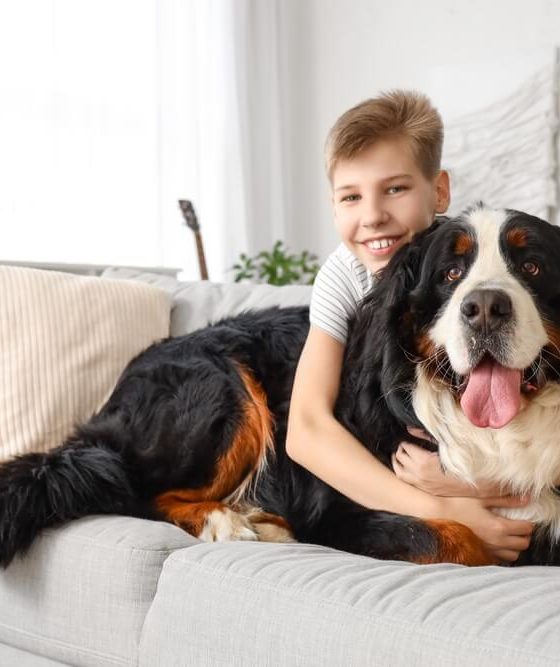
383,161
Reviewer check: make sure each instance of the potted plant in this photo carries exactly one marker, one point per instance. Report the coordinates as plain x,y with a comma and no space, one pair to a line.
277,267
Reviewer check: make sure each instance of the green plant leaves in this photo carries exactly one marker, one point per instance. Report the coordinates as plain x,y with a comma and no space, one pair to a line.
277,267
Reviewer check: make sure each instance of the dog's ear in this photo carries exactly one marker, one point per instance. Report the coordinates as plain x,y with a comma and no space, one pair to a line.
380,341
386,306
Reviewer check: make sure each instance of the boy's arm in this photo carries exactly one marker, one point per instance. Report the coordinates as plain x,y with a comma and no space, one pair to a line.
318,442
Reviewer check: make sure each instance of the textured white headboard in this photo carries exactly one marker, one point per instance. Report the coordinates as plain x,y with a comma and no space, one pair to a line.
506,154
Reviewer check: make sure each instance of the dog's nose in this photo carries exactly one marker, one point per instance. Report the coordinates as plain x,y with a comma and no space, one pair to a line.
486,310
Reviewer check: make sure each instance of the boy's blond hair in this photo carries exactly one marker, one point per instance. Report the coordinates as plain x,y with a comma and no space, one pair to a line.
397,114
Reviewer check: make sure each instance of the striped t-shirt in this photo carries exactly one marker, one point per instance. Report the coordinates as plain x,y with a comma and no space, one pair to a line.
342,282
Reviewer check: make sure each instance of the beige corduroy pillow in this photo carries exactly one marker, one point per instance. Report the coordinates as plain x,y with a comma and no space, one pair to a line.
64,341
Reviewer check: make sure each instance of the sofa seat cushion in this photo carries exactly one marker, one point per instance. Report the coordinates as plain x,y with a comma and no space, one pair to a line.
81,593
197,304
247,603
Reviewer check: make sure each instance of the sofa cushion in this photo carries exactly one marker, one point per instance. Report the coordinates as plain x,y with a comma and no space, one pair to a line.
196,304
294,604
81,593
65,341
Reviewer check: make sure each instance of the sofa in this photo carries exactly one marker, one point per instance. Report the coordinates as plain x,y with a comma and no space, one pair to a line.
113,590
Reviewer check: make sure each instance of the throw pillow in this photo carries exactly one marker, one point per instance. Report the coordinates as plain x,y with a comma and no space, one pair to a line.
65,341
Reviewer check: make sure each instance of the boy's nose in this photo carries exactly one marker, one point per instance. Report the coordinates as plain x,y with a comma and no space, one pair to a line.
374,214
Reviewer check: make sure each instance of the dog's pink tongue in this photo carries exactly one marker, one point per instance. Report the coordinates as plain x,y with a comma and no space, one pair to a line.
493,395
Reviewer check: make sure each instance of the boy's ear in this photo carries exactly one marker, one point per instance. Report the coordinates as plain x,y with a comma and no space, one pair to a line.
443,192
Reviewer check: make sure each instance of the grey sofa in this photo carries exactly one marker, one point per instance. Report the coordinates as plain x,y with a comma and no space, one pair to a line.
121,591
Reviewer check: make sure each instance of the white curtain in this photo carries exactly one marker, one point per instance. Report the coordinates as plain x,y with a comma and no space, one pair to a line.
78,132
223,135
112,110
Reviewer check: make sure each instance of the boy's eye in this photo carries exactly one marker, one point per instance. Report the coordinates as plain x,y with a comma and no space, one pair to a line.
351,198
395,189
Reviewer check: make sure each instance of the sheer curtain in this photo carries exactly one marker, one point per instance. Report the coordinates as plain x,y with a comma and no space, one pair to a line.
222,106
113,110
78,147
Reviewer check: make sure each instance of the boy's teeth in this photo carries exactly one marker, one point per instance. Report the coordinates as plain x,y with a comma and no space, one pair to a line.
380,243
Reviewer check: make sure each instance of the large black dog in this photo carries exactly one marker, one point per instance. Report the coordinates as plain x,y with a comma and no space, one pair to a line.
461,335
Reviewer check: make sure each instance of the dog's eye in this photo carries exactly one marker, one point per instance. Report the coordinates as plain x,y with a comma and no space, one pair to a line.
453,274
531,268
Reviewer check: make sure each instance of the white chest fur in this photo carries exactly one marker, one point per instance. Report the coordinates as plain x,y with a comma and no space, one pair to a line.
524,456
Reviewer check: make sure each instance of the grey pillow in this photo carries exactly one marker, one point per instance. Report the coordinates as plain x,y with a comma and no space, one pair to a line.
198,303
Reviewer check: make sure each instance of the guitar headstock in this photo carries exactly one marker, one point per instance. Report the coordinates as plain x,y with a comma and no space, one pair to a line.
187,209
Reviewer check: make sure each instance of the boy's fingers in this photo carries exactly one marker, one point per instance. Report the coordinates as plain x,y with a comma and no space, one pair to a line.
420,433
517,528
396,462
490,490
399,469
507,501
507,555
403,449
416,453
519,543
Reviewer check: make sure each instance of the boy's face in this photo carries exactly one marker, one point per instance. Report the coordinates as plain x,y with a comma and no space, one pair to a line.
381,199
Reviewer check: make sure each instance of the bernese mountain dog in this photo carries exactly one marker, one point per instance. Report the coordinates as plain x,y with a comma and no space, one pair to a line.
460,336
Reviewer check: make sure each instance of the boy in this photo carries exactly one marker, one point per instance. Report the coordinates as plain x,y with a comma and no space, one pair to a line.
383,162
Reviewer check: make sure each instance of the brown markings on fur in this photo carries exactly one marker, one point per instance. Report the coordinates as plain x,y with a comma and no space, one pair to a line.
464,244
425,346
269,527
456,544
433,358
265,517
189,516
517,237
243,459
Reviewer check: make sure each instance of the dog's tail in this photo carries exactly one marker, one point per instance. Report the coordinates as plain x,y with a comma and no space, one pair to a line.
81,477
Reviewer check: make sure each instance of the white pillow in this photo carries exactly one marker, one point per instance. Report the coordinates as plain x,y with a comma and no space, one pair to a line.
64,341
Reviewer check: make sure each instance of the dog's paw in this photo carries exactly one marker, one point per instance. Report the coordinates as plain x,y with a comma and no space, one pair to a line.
224,525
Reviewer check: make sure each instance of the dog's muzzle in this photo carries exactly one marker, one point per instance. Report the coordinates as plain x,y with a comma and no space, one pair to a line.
485,311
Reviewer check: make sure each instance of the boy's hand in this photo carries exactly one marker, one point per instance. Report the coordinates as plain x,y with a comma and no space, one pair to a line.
503,538
470,505
416,466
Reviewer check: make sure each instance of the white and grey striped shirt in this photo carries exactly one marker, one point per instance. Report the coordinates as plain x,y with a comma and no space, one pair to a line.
342,282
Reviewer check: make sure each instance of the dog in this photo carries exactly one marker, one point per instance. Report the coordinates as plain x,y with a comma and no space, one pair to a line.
460,336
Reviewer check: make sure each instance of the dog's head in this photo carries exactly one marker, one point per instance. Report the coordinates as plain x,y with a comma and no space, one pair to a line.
476,301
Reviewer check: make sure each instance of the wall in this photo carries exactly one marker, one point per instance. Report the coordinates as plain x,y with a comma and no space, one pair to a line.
348,50
89,102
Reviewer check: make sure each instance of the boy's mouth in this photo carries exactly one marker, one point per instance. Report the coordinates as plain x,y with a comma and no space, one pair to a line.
381,246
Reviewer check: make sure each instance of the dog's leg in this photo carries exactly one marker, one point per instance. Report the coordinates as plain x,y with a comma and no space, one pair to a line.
211,521
269,527
396,537
456,543
214,521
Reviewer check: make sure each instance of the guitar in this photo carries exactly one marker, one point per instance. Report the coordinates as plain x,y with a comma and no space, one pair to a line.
187,209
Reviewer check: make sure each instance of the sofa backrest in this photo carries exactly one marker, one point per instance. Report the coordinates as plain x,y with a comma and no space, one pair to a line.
196,304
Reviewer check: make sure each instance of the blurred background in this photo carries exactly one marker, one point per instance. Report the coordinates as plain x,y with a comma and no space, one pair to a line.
112,110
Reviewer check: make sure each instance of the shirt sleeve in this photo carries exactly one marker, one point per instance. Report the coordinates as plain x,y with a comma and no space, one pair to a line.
333,299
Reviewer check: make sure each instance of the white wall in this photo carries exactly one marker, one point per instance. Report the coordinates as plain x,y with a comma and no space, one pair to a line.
331,54
348,50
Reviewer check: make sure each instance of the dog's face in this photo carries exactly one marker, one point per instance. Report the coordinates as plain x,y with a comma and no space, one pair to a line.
484,309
